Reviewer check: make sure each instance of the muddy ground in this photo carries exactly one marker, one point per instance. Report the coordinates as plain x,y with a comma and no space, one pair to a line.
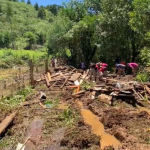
56,129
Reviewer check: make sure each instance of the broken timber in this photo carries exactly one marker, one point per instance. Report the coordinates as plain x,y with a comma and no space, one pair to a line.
65,82
5,123
75,76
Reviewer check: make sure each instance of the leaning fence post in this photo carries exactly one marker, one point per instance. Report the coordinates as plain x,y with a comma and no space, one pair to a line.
31,72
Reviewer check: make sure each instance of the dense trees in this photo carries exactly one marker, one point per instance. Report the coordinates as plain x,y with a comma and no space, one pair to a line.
91,30
20,26
139,21
28,2
36,6
41,13
54,9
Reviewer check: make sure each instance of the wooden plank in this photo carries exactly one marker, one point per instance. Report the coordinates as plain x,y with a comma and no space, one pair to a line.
5,123
78,93
53,84
147,89
49,76
136,94
43,106
47,81
55,75
75,76
65,82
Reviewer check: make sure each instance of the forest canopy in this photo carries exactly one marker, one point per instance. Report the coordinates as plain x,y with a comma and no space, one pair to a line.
91,30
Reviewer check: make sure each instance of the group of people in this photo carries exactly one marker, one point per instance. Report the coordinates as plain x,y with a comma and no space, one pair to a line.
100,69
121,67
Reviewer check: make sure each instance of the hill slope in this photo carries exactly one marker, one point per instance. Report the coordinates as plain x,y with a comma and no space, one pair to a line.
20,28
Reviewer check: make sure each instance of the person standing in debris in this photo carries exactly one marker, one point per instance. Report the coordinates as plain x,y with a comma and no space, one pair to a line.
93,71
52,62
121,69
83,66
134,67
55,62
103,70
117,61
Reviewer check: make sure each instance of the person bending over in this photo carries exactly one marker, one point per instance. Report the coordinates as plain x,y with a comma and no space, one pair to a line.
121,69
134,67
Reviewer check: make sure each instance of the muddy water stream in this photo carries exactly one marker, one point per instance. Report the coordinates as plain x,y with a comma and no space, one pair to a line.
98,128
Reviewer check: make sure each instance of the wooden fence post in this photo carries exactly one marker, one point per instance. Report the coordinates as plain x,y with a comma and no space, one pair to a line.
37,69
46,65
31,72
19,69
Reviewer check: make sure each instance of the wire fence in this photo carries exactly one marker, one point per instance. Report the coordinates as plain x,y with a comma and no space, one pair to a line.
15,79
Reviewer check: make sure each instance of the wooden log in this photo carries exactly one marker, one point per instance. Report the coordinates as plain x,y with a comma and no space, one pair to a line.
65,82
5,123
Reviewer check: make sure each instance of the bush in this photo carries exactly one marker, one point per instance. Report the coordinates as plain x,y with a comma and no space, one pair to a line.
144,77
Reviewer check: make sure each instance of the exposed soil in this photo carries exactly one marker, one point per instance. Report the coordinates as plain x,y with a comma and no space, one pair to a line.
80,137
66,129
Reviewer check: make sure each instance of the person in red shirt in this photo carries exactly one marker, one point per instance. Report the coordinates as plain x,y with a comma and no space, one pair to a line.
123,63
102,70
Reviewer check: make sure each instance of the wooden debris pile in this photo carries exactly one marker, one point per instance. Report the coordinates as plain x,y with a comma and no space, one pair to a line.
106,91
112,89
63,77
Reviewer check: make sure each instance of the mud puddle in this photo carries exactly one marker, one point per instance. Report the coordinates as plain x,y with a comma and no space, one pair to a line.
98,128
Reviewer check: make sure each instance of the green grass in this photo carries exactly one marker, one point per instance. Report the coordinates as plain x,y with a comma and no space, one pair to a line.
10,58
142,77
21,53
12,102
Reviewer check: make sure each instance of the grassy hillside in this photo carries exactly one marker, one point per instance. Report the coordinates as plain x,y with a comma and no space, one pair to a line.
20,26
10,58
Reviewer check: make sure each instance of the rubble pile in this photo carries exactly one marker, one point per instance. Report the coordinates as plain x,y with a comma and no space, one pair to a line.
106,91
